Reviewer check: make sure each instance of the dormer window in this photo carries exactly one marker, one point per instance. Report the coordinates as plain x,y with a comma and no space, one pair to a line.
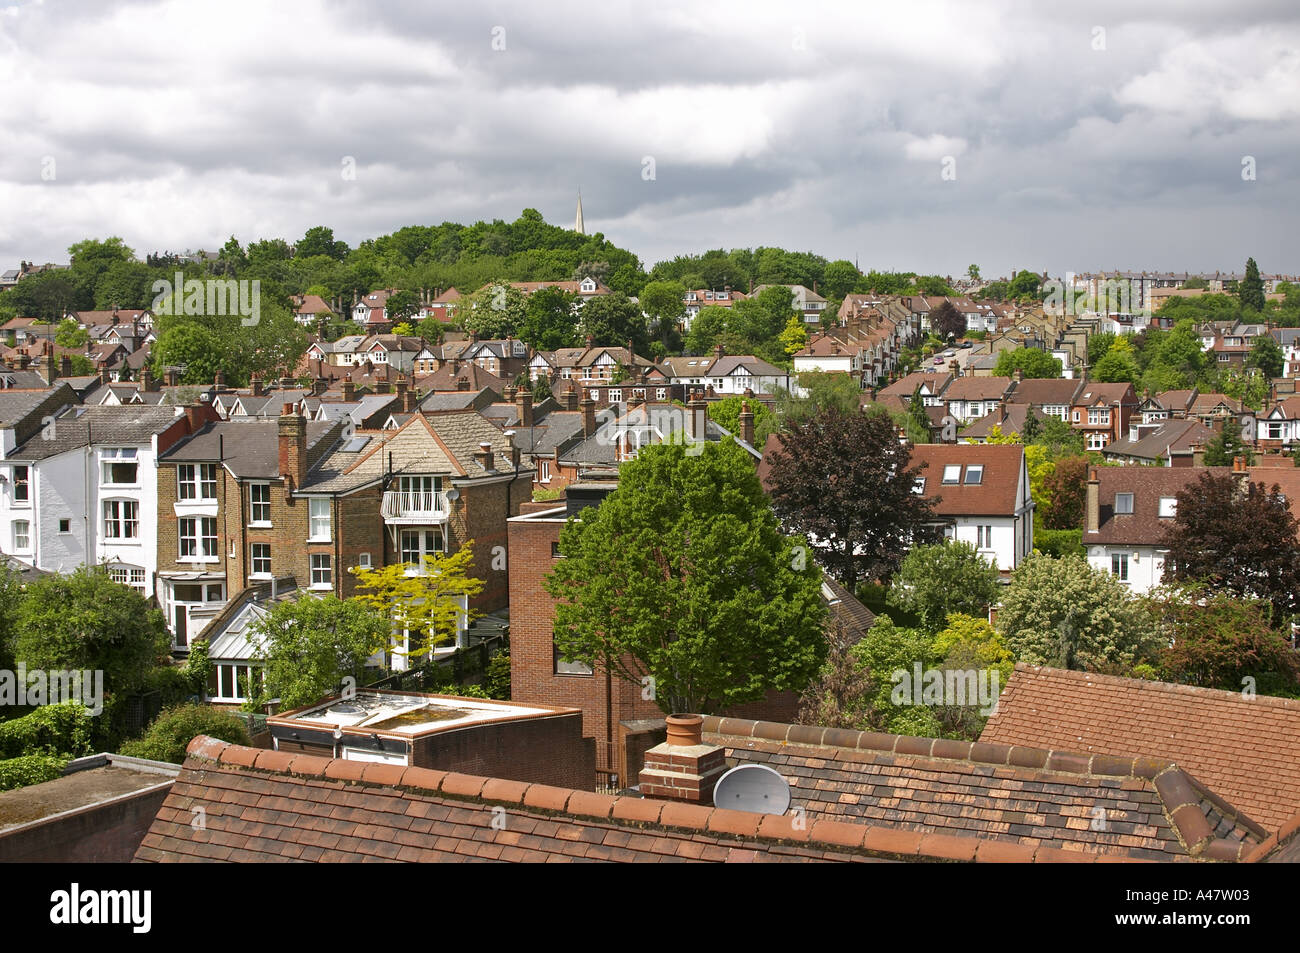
1123,503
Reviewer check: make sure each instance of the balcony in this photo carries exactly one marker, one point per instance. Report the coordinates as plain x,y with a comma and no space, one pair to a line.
414,507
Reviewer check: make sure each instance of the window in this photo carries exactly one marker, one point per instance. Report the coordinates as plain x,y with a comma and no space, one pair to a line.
418,543
363,560
232,683
1168,506
1119,566
260,561
119,466
22,534
322,576
661,393
615,395
320,518
983,537
975,473
126,576
555,551
1096,441
121,519
1123,502
1076,416
1274,431
259,504
198,537
918,486
197,481
65,526
570,668
214,593
1099,418
22,484
543,471
952,473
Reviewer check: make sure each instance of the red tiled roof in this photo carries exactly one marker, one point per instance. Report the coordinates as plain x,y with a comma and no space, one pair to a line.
995,495
1243,748
977,388
271,806
1039,391
1144,526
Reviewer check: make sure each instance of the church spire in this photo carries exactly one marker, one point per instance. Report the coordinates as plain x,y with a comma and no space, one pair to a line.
577,224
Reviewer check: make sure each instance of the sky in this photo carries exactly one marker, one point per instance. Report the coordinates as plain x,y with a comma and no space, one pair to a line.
922,136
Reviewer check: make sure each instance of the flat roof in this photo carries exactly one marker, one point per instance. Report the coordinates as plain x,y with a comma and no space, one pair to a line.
89,781
409,714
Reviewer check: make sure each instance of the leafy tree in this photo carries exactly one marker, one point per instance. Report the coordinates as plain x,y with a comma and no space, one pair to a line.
11,594
1225,446
1195,282
426,604
1266,355
320,241
1031,362
839,696
169,736
795,336
947,321
84,620
1119,365
612,320
1033,426
706,327
847,482
1237,540
1065,493
1025,286
494,312
726,413
682,574
937,580
1251,290
824,390
973,271
1216,640
1098,346
402,305
839,278
548,323
1059,542
918,430
1059,439
888,648
662,301
311,643
1064,613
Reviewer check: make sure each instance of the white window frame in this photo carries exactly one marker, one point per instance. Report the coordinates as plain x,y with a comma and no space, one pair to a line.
1168,507
194,480
322,571
975,470
319,526
256,559
25,481
1129,502
22,537
952,470
259,510
1119,566
117,524
112,457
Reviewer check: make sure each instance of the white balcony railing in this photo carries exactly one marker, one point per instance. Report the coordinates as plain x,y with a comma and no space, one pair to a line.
414,504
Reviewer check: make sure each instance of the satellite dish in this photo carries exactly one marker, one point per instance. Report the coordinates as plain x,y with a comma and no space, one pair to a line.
755,788
453,494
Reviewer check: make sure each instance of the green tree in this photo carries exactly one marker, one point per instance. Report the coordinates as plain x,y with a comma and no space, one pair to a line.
726,413
1266,355
310,644
1216,640
937,580
494,312
425,604
706,327
401,306
839,278
846,481
71,334
612,320
169,736
1225,446
795,336
823,390
1119,364
918,430
1064,493
1251,290
320,241
1064,613
973,272
84,620
1031,362
663,303
682,574
548,323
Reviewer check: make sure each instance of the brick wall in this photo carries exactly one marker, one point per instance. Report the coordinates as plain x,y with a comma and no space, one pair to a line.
539,750
107,833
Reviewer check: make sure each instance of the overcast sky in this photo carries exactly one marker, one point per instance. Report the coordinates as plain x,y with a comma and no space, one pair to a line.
1073,137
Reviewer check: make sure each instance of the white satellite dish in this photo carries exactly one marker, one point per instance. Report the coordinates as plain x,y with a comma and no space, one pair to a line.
755,788
453,494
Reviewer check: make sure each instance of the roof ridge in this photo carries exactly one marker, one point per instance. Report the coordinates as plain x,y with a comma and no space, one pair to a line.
1151,685
632,811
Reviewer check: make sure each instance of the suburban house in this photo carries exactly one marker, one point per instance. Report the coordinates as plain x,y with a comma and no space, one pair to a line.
309,309
970,398
806,301
370,311
693,301
1102,412
1127,514
1051,397
898,395
981,496
1279,427
726,374
1166,443
441,307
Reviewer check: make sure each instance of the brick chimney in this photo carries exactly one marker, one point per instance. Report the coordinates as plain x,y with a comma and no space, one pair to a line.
524,407
409,400
511,392
697,415
746,423
719,352
1093,508
293,447
24,361
65,366
1239,465
219,379
512,450
401,391
462,383
683,768
50,368
147,382
588,417
255,383
172,377
483,455
349,389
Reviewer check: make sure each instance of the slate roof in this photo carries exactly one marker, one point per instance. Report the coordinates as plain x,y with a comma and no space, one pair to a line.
1030,798
445,379
906,386
1172,435
1010,418
1039,391
995,495
251,446
125,425
1243,748
1097,394
977,388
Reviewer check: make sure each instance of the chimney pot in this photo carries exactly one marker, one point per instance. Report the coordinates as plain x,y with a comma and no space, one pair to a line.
683,768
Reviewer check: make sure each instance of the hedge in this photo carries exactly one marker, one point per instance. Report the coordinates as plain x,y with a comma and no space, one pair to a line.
51,729
30,769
